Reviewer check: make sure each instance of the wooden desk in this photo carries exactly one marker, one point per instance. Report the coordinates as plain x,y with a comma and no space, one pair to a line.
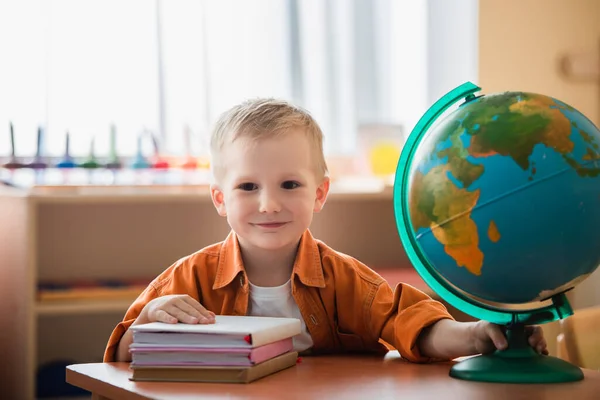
331,377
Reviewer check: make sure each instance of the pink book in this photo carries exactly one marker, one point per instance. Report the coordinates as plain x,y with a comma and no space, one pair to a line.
197,355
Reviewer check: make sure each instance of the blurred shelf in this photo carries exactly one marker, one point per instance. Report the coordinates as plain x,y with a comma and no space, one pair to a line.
88,306
80,186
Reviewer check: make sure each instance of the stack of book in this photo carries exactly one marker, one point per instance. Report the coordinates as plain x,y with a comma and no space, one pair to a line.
235,349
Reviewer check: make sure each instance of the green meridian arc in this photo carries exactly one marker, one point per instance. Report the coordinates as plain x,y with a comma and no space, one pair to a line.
559,308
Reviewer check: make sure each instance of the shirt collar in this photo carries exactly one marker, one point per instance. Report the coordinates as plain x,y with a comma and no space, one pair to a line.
307,266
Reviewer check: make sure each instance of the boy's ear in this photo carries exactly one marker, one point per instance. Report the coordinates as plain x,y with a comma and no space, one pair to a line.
218,200
322,191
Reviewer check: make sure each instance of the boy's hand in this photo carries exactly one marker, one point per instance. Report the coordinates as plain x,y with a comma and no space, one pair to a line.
175,308
488,337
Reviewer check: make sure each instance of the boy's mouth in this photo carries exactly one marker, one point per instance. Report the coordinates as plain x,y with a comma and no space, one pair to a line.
271,225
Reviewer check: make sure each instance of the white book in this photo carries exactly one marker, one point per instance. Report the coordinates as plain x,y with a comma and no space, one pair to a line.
227,331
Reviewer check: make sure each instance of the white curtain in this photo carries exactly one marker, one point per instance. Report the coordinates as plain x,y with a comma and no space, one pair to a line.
77,67
348,62
172,66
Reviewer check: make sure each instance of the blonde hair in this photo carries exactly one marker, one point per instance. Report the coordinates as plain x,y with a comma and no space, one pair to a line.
264,118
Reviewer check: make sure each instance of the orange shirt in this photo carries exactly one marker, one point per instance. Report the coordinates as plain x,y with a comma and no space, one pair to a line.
347,306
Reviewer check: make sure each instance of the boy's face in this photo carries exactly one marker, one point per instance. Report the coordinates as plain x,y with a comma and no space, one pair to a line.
269,190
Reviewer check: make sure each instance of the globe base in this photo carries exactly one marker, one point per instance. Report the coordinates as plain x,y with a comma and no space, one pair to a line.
519,363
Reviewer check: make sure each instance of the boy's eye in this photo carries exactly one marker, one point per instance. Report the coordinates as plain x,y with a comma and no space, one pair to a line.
290,185
248,186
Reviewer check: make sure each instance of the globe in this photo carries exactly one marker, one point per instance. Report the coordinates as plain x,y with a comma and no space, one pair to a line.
497,204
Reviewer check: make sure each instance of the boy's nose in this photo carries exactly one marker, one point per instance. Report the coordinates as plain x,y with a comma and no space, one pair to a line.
269,203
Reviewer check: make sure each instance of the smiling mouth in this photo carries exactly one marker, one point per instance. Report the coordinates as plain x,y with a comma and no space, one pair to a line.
271,225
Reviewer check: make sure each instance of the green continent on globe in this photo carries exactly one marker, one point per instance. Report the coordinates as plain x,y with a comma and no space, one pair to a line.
509,124
539,121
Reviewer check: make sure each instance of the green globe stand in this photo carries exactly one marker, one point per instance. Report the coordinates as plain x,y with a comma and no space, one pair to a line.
519,363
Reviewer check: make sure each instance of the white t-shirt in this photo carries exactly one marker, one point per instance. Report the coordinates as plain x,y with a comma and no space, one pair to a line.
278,302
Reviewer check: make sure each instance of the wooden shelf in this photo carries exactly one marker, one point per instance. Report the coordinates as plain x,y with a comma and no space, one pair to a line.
120,232
93,306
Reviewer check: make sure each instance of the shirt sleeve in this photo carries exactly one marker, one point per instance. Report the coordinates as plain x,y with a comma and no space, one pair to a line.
149,294
401,315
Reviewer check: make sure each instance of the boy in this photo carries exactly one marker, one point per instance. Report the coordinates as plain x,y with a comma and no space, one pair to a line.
270,177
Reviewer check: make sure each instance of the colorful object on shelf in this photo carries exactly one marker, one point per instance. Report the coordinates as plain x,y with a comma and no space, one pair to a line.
190,162
38,160
113,162
204,163
13,163
67,161
91,162
384,158
159,163
140,162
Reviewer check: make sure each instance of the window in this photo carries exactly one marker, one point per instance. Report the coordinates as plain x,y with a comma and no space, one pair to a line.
172,67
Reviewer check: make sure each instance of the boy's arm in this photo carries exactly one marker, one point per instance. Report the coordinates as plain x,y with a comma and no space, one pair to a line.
122,353
447,339
121,337
420,328
401,316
